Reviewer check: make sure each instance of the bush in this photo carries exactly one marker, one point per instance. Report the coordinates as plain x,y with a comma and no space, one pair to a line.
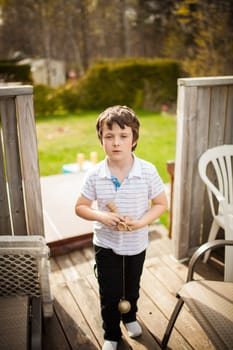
139,83
68,98
46,100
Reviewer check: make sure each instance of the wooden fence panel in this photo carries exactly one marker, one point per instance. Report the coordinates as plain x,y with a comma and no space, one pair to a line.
20,196
13,170
229,113
29,163
5,223
217,122
199,142
204,120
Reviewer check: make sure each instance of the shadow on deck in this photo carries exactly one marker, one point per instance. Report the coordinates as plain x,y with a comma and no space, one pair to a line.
76,323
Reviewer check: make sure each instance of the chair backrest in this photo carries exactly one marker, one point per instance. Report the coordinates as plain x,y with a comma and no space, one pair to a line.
24,269
220,175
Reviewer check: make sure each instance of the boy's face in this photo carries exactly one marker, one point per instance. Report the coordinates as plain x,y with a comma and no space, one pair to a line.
117,143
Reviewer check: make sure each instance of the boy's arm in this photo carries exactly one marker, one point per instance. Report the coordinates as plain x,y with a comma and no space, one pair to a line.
159,206
83,208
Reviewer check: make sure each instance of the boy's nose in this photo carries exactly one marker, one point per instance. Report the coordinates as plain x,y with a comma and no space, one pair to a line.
116,141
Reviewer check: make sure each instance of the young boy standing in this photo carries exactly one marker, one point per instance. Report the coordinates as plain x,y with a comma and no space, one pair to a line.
137,191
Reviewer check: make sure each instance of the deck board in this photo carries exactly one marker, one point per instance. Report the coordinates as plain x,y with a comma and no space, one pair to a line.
76,323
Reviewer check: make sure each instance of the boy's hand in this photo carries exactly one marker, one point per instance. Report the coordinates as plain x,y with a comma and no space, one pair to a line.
110,219
132,225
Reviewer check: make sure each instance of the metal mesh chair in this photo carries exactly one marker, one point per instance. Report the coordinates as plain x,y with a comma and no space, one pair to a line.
24,286
210,302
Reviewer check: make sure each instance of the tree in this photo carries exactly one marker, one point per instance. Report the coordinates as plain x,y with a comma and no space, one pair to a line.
80,32
208,28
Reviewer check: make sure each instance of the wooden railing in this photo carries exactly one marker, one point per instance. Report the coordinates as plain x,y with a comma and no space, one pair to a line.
171,171
20,191
204,120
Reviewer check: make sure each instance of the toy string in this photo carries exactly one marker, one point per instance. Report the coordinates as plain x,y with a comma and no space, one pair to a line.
123,274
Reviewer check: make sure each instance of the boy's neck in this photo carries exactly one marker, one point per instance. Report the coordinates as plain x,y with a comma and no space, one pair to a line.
120,169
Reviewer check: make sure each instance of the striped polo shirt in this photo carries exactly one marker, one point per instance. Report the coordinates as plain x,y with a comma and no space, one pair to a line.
132,199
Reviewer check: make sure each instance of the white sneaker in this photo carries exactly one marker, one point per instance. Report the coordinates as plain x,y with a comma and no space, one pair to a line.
134,329
109,345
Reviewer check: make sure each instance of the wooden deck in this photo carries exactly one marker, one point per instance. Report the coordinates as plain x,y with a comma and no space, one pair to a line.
76,323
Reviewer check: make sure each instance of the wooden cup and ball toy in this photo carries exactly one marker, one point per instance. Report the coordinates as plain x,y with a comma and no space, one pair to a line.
121,226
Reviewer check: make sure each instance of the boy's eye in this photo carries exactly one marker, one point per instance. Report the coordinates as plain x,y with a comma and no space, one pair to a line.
109,136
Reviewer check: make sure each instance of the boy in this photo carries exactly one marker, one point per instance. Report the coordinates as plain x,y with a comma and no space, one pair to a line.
138,195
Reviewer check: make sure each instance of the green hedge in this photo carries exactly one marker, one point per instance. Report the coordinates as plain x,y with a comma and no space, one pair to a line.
46,100
139,83
10,72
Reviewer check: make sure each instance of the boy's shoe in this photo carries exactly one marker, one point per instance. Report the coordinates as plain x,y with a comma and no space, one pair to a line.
134,329
109,345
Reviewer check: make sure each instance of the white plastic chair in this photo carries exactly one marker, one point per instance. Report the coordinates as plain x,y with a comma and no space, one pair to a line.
217,164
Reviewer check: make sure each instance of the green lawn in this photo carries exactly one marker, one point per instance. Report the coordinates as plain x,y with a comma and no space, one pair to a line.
61,137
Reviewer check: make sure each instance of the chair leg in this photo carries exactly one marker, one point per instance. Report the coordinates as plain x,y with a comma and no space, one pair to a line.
171,323
228,271
212,235
36,324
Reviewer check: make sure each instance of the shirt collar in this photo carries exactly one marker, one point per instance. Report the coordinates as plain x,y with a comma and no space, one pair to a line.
136,170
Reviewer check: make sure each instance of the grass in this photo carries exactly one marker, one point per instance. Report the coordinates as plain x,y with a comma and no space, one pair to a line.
61,137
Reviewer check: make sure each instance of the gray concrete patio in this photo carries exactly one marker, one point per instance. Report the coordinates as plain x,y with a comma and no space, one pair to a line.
59,194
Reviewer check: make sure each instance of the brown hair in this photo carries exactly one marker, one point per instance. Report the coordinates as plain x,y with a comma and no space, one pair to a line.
121,115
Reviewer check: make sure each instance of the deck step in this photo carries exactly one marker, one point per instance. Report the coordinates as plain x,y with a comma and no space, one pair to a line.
14,322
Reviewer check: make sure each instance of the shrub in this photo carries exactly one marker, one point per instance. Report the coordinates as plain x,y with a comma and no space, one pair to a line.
68,98
46,100
139,83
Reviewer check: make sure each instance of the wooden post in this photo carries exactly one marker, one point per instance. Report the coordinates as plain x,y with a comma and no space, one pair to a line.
171,169
20,198
204,120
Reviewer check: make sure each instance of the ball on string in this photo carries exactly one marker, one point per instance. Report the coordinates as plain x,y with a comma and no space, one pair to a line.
124,306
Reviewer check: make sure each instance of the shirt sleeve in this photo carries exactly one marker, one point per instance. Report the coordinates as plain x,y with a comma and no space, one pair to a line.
88,187
156,185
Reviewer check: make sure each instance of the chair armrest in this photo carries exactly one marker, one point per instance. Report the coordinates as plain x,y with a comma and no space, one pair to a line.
214,190
201,251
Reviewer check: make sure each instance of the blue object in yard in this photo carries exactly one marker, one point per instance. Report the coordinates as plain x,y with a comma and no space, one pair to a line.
75,167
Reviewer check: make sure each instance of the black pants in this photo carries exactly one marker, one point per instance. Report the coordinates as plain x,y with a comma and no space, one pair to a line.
110,279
